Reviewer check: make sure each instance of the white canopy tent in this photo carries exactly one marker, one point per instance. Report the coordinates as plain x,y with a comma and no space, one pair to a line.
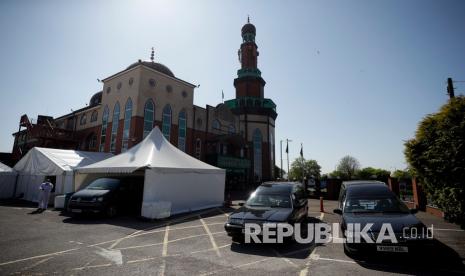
40,163
7,181
174,181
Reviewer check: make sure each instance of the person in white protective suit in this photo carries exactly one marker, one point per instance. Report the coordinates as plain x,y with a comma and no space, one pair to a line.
45,190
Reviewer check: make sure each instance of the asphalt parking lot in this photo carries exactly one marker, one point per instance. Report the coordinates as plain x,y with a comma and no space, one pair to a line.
191,244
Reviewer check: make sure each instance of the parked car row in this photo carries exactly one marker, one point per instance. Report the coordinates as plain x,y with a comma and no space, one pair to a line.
361,205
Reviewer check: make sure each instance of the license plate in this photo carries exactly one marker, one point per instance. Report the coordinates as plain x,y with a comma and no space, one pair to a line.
386,248
76,210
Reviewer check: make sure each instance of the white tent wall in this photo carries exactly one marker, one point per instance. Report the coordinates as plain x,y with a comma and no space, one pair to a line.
7,185
40,163
184,192
7,181
59,184
68,183
28,185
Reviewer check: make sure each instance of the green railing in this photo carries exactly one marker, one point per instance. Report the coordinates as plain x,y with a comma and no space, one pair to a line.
251,102
232,162
249,72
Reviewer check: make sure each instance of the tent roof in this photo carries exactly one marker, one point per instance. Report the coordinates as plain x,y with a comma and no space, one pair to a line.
153,152
47,161
4,169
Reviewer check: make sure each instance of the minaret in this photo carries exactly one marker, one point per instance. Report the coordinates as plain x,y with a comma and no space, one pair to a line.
249,82
257,114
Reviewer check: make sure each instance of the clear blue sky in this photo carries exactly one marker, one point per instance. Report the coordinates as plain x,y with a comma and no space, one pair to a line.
349,77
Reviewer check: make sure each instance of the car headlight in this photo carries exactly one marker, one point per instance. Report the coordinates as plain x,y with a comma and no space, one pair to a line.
235,221
100,199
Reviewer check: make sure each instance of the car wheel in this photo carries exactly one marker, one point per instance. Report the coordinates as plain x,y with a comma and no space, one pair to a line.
111,211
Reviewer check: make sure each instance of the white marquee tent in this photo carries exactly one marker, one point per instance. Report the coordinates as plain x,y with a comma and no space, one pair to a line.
7,181
40,163
174,181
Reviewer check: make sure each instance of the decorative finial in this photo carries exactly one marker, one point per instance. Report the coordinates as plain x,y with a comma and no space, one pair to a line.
248,19
152,55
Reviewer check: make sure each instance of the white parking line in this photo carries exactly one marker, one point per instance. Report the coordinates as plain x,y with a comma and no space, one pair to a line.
311,257
123,238
336,260
171,241
116,241
223,212
38,263
444,229
164,251
165,241
40,256
150,259
91,266
284,258
255,262
138,233
210,249
212,240
113,255
175,255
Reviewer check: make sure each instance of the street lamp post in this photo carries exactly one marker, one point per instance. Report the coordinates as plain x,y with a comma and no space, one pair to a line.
281,150
287,151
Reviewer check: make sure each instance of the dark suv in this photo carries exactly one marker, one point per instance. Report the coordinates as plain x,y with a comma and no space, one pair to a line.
271,202
373,203
109,195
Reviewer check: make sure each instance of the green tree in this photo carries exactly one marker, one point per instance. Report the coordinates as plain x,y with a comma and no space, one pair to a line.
402,174
437,157
347,168
373,173
278,172
310,167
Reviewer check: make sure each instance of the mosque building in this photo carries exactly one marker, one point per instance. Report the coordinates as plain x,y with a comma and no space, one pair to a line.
237,135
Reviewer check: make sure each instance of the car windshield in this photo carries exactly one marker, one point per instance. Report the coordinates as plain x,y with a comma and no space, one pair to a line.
104,184
269,200
375,205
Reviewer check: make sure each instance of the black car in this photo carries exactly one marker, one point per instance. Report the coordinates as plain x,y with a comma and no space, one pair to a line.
109,195
271,202
372,202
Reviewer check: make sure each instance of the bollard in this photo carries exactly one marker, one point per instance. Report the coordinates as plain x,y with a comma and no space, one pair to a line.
322,209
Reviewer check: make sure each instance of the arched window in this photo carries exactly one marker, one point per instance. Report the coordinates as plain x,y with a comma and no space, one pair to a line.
216,124
94,116
93,141
182,130
231,129
114,127
104,128
83,119
257,154
198,148
127,125
166,122
149,116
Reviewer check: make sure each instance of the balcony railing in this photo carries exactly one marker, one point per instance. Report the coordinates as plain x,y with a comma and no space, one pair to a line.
249,72
251,102
229,162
